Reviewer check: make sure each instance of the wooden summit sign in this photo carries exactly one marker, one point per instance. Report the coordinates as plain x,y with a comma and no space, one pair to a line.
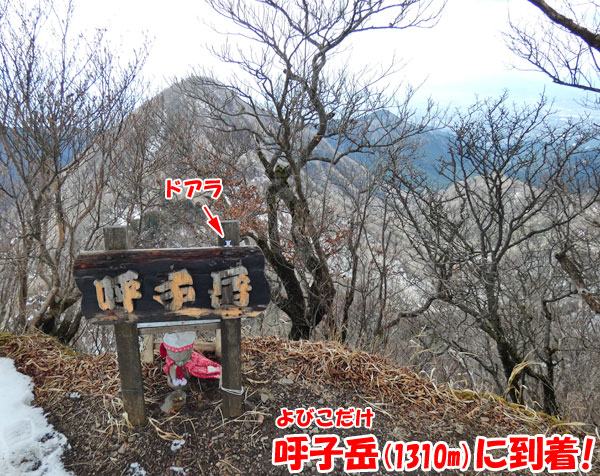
165,285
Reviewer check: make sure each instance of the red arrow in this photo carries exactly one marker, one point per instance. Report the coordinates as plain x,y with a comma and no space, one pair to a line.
213,222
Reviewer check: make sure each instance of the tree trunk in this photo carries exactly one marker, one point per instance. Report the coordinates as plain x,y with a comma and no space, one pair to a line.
305,311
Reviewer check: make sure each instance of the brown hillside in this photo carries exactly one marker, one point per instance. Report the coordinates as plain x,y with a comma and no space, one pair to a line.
277,373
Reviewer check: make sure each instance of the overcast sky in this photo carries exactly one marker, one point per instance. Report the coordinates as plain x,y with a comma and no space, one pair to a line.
463,55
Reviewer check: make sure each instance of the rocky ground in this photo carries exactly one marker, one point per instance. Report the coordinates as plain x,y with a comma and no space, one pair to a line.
80,394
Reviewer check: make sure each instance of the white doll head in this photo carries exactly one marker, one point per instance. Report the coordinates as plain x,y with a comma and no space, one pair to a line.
179,346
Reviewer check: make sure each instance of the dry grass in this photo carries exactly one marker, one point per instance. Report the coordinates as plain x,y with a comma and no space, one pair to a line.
382,383
57,369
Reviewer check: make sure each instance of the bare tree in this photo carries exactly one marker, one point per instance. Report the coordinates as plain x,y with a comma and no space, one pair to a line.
138,167
62,100
356,187
300,110
515,179
565,45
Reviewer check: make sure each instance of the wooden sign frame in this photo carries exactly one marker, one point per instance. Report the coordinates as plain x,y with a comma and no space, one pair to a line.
230,306
171,285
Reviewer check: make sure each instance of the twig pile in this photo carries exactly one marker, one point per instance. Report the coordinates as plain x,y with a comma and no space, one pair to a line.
372,376
56,369
334,364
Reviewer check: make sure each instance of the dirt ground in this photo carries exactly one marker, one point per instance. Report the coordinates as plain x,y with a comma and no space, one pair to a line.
80,395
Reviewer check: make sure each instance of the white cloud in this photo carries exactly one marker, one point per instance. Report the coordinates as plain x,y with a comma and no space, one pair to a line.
462,55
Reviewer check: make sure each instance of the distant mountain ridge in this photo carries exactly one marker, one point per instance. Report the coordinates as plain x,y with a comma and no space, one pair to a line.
431,146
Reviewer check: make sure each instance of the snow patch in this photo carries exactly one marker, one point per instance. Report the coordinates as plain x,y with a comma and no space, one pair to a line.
177,444
135,470
75,395
29,446
177,470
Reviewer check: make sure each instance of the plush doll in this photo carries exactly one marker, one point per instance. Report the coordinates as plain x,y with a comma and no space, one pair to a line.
182,361
177,349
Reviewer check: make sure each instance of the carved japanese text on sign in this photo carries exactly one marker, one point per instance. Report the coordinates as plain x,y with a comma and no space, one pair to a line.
171,285
122,289
239,281
176,290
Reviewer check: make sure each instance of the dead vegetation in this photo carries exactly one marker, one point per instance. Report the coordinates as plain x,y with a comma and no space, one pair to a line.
276,373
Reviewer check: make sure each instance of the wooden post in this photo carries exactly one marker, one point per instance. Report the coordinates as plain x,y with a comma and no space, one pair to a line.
217,346
231,230
128,351
148,349
231,338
